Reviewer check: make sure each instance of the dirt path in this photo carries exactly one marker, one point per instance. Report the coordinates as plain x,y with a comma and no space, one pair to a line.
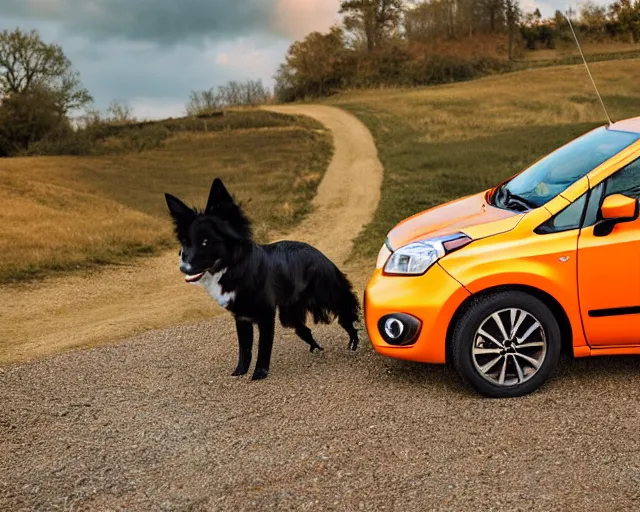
83,311
350,191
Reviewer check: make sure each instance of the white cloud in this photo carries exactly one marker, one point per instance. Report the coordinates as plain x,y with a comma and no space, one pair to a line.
222,59
157,108
246,58
297,18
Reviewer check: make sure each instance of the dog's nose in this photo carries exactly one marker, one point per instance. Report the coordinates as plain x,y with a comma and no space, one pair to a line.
185,267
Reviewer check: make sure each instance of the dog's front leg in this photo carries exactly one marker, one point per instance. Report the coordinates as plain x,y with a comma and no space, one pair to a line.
266,325
244,330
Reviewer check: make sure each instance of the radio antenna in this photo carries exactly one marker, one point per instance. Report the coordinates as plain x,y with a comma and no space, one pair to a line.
588,70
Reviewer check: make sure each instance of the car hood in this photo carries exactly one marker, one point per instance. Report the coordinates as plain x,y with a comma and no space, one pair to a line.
470,215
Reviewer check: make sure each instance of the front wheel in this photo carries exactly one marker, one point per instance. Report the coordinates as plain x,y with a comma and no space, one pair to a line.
506,345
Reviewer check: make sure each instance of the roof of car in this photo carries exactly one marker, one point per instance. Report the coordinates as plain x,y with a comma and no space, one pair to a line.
627,125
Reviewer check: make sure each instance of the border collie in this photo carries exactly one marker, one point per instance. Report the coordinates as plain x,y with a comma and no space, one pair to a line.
252,281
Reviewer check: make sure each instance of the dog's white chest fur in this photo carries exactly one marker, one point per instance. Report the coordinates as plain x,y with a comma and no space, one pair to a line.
211,283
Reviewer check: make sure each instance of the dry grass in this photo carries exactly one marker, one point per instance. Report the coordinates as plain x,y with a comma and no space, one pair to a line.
441,143
65,213
570,49
535,97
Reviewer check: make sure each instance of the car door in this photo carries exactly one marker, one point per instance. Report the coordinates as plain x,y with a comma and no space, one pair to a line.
609,268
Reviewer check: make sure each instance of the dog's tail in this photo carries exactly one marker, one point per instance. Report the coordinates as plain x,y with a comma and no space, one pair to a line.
349,311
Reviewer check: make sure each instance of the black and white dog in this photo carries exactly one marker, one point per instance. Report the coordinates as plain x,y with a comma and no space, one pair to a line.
252,281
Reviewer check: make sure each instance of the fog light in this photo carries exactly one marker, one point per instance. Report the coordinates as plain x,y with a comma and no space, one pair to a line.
393,328
399,329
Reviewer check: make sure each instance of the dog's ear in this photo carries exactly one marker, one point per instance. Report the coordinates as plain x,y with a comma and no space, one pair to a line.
177,209
218,195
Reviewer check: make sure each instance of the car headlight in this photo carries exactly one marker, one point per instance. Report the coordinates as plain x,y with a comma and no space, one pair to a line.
415,258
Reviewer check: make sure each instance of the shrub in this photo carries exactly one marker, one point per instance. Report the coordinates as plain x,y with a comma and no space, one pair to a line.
64,141
26,118
147,137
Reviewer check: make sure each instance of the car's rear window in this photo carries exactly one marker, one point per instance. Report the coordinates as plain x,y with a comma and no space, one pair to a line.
554,173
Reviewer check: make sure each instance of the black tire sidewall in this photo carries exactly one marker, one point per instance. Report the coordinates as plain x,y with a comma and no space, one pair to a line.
470,321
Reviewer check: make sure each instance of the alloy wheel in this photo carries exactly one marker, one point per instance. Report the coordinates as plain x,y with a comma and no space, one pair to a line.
509,347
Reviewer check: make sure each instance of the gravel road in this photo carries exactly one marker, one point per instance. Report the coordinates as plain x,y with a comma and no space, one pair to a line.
158,423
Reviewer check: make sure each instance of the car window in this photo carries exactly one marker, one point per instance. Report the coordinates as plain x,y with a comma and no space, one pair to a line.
591,216
554,173
626,181
568,219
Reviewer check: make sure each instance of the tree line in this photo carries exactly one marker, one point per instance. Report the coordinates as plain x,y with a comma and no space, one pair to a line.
423,42
234,94
620,21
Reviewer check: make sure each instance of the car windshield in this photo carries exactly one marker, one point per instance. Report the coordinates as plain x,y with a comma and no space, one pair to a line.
554,173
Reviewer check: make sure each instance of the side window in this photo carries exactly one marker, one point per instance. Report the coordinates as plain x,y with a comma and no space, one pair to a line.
626,181
566,220
593,208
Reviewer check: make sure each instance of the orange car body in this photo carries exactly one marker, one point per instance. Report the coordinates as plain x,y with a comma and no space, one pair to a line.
592,283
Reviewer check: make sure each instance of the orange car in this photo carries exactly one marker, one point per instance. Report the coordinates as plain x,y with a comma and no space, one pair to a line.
500,282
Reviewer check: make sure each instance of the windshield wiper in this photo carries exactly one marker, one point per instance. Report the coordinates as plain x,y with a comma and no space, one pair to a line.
520,201
510,200
498,199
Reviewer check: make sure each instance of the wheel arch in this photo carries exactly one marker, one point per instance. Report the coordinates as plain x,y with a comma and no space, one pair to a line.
556,308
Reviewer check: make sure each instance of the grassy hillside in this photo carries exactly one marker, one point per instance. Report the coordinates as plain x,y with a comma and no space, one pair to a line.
65,213
441,143
593,51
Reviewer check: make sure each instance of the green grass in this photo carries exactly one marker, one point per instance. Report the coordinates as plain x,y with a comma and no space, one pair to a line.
441,143
61,214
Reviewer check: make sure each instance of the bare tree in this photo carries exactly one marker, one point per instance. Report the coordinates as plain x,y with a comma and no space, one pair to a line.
27,62
120,112
232,94
203,102
89,118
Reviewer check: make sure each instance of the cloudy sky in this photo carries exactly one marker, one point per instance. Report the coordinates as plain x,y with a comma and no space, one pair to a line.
152,53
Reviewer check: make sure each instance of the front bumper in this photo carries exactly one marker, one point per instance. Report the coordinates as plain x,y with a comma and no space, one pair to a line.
432,298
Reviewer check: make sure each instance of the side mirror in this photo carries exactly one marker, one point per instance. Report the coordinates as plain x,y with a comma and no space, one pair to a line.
615,209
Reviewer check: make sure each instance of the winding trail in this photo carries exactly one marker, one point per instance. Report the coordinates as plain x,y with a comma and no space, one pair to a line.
349,193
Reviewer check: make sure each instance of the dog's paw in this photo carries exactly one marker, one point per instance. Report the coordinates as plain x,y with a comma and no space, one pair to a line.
239,372
315,347
353,344
259,374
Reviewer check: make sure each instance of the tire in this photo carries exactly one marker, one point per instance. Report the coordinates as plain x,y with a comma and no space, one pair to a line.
479,347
